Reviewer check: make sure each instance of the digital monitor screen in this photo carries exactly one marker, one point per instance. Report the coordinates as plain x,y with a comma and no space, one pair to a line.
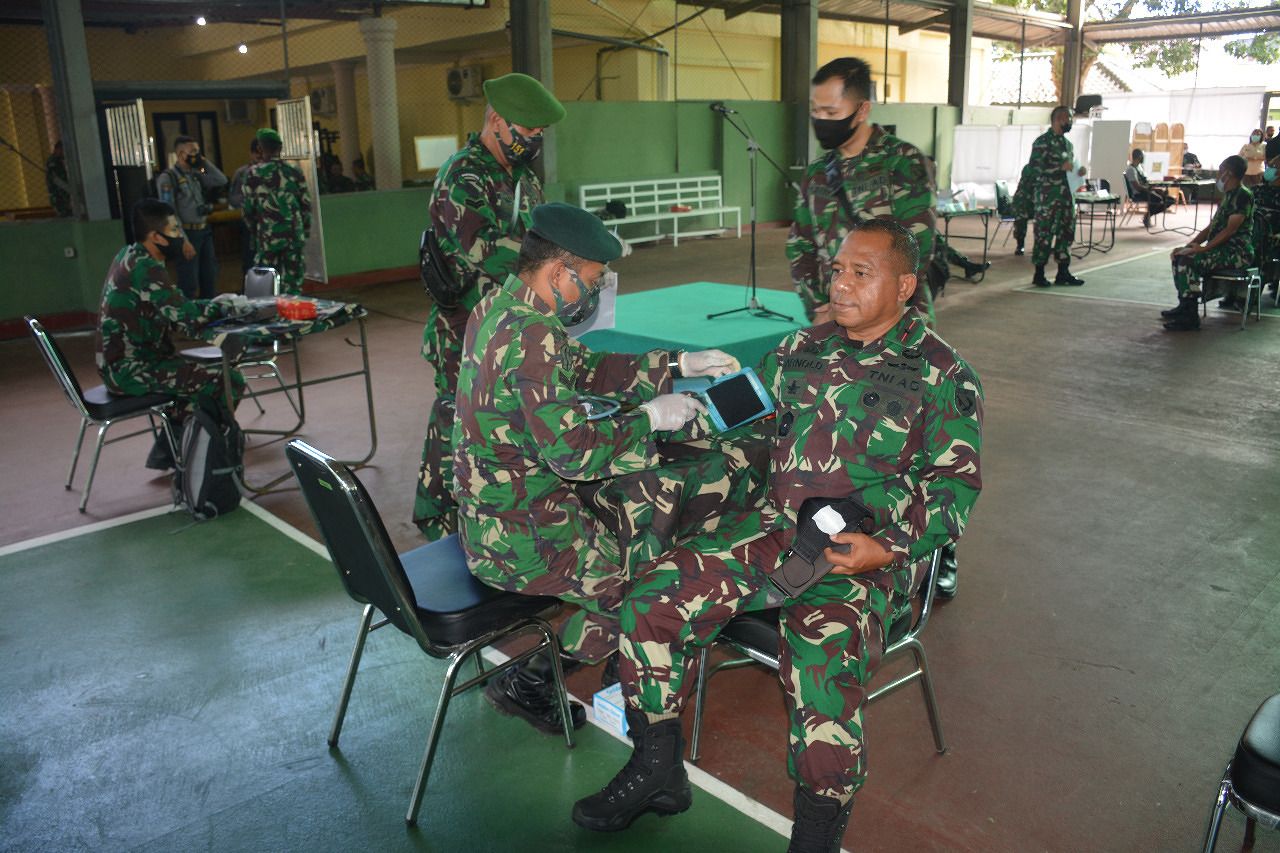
736,400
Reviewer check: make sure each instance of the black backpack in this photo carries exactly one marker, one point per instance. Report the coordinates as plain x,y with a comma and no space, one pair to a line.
210,462
436,277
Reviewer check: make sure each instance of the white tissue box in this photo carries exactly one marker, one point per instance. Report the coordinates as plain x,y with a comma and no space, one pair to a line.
608,705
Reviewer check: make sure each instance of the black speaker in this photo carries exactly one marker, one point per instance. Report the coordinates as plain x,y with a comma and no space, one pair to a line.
1084,103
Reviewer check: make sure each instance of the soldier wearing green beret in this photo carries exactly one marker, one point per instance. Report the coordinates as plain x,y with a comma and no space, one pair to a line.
479,211
277,209
555,496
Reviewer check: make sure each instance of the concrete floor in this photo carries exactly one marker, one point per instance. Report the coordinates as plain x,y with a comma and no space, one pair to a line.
1119,609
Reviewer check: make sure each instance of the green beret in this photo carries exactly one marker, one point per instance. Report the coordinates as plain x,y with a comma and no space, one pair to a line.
522,100
576,231
266,134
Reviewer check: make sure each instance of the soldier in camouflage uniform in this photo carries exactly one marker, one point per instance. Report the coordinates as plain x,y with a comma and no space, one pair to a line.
277,208
1225,243
363,180
959,259
480,207
871,405
140,310
552,501
1024,206
57,182
1055,209
879,175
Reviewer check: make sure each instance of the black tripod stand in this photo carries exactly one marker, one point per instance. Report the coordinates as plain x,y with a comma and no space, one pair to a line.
754,306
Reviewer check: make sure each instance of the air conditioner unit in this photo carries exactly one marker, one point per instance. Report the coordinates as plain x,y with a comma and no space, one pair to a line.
237,111
324,101
464,83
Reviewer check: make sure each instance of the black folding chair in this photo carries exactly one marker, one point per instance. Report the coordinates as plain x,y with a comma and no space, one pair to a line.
427,593
100,407
1251,782
756,636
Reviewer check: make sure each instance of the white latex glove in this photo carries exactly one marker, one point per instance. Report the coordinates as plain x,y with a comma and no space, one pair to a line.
234,301
708,362
672,411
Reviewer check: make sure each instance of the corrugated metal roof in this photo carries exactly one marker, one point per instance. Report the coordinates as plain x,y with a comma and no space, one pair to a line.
1207,24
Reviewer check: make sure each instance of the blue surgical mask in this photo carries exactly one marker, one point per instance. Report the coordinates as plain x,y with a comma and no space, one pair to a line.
1269,174
1220,185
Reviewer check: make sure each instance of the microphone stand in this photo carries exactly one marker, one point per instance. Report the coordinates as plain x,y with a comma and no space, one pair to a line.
754,306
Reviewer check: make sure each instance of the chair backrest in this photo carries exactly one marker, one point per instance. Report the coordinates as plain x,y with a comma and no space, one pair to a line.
1128,188
1004,201
367,563
261,282
927,587
58,364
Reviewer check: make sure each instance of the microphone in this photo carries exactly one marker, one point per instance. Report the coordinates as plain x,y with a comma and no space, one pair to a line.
719,107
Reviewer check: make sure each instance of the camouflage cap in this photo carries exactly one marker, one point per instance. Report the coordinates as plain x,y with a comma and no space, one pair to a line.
266,134
576,231
522,100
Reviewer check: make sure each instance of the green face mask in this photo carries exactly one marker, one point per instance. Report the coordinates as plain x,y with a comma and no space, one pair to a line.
571,313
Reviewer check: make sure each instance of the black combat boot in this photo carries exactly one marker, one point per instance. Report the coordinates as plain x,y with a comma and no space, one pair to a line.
652,780
819,824
1018,250
1039,280
947,574
971,268
1187,320
161,456
1064,275
1186,305
528,690
609,675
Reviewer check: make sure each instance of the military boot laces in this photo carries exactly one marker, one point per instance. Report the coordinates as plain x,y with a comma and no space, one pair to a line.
819,824
652,780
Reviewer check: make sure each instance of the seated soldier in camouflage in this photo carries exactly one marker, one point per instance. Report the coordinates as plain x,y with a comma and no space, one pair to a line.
1225,243
141,308
554,498
874,406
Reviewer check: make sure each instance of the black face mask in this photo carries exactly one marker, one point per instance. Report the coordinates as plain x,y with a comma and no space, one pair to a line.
172,250
1066,128
831,133
523,150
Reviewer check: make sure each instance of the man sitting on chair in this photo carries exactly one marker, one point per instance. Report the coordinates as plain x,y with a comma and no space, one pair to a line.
1141,190
1225,243
141,308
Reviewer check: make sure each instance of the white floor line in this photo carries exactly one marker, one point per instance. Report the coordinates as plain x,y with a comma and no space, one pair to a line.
286,528
1118,262
73,532
725,793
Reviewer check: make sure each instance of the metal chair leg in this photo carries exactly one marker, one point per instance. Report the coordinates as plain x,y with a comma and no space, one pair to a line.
93,466
1219,807
930,700
362,633
433,738
75,457
699,698
552,646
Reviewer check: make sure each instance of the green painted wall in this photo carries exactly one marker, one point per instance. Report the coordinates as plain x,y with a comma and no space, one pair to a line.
39,279
373,230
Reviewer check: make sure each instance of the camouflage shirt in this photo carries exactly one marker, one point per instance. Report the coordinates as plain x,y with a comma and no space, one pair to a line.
521,431
1237,201
277,206
140,310
480,212
890,179
895,423
58,184
1048,153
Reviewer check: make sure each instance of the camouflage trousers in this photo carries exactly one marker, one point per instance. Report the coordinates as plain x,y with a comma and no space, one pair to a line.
609,529
1189,272
434,509
1055,225
832,638
951,255
288,261
185,380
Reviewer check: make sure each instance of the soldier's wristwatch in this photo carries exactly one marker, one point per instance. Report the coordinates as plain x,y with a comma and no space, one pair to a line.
673,363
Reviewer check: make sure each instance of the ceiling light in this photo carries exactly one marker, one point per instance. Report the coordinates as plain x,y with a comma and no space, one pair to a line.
243,48
201,21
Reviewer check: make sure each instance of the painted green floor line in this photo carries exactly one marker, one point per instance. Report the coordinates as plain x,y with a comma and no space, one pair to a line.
169,686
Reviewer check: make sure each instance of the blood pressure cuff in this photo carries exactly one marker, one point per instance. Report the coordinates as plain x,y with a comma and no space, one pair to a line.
805,564
435,274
